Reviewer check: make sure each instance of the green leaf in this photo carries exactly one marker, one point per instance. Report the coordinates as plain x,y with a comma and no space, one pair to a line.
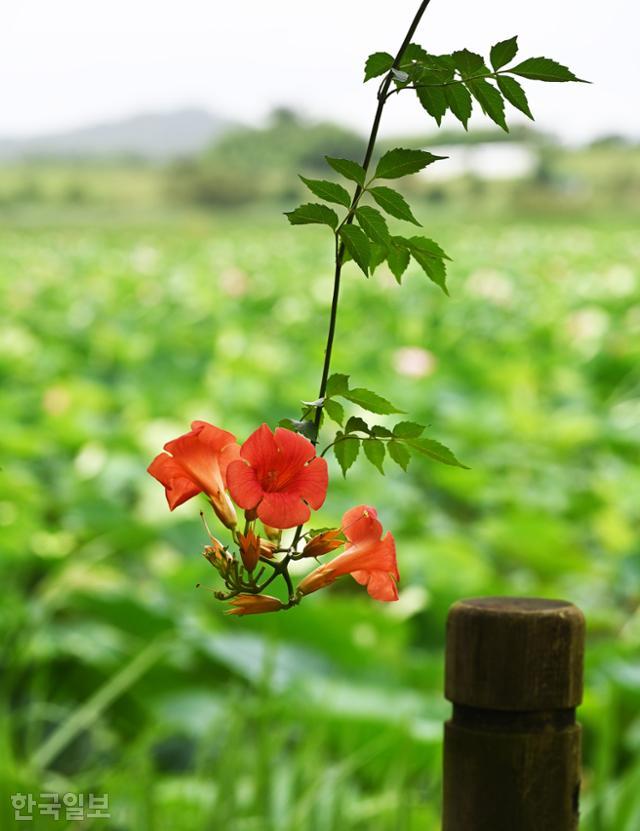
381,432
355,423
370,401
413,52
430,257
434,101
469,63
398,260
346,450
313,214
377,64
329,191
490,100
504,52
514,94
350,170
378,255
373,224
401,162
399,453
544,69
393,203
435,451
307,428
357,244
459,102
408,430
375,452
337,385
334,410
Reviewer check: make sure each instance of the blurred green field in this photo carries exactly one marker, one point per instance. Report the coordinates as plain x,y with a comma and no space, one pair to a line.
120,677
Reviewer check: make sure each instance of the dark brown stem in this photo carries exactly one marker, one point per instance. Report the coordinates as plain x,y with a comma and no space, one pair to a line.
382,98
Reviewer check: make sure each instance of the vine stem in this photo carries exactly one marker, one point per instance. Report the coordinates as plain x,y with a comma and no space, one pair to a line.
339,250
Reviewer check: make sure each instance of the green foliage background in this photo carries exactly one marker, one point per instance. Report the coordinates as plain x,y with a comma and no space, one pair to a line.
117,330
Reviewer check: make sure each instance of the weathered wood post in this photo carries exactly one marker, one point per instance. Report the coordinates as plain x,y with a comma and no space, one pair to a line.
512,747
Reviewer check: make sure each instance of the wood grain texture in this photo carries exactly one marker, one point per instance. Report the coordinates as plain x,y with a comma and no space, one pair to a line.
512,750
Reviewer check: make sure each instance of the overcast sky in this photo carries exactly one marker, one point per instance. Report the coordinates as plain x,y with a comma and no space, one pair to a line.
65,63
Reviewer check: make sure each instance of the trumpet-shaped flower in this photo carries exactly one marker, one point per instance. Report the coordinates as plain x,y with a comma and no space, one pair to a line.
197,462
368,557
279,476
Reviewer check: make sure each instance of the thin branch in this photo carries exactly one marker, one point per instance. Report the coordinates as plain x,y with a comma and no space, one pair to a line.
339,255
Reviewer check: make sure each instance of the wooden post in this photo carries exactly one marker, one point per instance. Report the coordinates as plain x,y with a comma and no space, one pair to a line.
512,747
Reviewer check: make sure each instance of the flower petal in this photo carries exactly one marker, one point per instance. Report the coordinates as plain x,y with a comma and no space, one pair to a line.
311,483
199,459
382,586
361,524
243,485
260,450
227,455
178,485
370,555
212,436
283,510
294,451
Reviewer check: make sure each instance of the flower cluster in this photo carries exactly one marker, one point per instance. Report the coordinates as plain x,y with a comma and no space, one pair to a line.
277,480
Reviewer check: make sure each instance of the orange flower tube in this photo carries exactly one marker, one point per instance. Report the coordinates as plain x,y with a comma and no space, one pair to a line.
197,462
368,557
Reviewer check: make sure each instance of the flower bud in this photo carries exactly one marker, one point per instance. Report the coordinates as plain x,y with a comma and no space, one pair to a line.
249,549
273,534
254,604
323,543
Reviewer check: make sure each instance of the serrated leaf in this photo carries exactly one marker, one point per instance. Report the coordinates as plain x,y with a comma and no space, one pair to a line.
346,451
408,430
393,203
430,257
469,63
490,100
398,260
400,162
347,168
329,191
375,453
433,100
414,52
337,384
377,64
504,52
399,453
370,401
436,451
514,94
357,244
356,423
544,69
381,432
334,410
459,101
313,214
373,224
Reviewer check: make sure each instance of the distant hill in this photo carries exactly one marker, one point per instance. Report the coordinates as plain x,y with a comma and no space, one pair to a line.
153,136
